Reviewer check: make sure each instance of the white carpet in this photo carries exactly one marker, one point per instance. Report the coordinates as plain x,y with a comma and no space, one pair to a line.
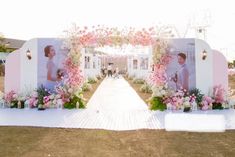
116,106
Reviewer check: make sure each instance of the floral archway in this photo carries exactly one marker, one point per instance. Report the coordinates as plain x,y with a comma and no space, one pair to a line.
97,36
163,97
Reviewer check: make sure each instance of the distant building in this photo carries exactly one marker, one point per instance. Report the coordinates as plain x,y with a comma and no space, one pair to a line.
13,44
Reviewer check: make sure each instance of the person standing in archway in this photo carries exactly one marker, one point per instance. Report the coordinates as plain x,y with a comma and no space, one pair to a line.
110,73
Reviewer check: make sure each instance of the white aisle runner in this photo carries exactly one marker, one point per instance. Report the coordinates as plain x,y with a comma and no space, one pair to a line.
116,106
116,95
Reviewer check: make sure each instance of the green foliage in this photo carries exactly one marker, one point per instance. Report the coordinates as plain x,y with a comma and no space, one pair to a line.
73,103
156,103
130,77
3,46
138,81
146,88
216,106
86,87
14,104
42,92
196,92
92,80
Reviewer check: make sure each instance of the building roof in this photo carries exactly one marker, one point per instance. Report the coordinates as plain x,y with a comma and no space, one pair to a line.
14,43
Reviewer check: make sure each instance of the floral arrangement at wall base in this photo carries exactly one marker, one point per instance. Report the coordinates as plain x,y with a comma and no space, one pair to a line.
189,101
63,97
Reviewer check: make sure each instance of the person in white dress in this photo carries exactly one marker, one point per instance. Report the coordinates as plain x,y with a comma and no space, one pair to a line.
52,70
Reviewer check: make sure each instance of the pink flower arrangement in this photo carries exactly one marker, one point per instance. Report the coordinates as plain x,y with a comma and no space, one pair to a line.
219,94
100,36
74,76
206,102
159,76
11,96
32,99
176,100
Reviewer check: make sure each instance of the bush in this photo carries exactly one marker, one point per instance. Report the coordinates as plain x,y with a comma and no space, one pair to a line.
217,106
196,92
92,80
86,87
145,88
130,77
138,81
98,77
156,103
42,92
73,103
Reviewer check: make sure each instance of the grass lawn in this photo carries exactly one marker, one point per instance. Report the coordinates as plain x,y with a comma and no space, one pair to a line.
144,96
40,142
87,94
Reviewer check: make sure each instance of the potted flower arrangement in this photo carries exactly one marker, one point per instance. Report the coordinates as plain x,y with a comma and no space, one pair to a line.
219,98
31,100
187,104
11,99
42,92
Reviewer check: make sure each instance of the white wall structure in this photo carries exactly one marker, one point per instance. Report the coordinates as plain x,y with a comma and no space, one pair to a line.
143,59
220,70
90,63
139,66
29,68
32,73
12,72
204,68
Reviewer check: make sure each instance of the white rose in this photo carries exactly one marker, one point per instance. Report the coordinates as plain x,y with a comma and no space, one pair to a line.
54,101
157,93
186,104
59,101
1,95
57,96
52,96
70,90
35,94
163,92
186,99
